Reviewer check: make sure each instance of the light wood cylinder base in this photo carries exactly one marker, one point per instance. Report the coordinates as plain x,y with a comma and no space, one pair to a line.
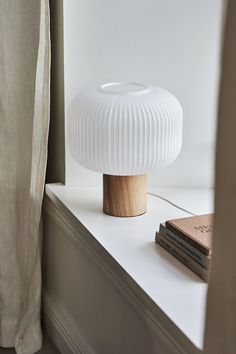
124,195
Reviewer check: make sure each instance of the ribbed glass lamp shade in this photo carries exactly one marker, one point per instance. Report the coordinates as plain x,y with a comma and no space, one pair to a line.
125,129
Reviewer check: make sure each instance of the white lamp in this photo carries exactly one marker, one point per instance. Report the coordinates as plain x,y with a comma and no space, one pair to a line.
124,130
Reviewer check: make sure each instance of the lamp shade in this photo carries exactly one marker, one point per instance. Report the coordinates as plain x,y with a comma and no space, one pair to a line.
125,129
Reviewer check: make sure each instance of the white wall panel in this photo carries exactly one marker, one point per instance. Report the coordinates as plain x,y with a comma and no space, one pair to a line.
169,43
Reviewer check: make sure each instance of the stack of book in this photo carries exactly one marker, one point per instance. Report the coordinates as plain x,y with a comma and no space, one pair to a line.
189,240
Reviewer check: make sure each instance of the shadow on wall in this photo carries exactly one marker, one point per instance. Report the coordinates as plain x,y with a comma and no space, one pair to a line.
56,141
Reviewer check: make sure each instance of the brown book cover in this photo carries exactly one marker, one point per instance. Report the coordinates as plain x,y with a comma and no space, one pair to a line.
197,230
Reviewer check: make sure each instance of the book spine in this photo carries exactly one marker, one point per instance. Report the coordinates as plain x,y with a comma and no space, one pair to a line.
185,247
183,258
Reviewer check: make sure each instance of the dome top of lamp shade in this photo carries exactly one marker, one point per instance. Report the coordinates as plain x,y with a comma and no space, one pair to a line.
125,129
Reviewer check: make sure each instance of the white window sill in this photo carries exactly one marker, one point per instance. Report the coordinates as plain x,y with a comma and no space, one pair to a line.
173,288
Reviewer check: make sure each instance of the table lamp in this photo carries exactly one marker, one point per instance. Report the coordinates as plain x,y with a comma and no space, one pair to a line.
124,130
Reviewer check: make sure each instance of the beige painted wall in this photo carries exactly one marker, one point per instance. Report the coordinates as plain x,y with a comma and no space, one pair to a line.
88,296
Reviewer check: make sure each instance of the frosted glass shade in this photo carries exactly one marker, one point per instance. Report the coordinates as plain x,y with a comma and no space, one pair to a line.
125,129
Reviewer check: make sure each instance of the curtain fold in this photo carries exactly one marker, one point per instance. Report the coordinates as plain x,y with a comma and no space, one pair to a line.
220,336
24,122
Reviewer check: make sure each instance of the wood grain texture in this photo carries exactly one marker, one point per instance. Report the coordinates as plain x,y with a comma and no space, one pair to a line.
124,196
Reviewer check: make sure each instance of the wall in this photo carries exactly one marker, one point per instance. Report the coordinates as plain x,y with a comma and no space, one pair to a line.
56,141
90,304
168,43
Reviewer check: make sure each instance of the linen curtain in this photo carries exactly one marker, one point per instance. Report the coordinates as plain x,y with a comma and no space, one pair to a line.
24,121
220,335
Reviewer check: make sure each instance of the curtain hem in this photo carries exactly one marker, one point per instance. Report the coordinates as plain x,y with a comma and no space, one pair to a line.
31,342
10,340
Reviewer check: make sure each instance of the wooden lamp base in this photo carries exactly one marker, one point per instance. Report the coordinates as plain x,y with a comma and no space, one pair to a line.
124,195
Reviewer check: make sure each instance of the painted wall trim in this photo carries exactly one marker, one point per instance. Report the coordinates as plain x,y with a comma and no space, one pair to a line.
58,325
165,329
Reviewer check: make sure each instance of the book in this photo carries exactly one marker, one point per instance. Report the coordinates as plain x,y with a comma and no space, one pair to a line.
190,250
202,272
196,230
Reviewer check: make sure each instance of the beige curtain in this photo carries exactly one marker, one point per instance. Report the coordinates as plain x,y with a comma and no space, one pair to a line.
221,309
24,120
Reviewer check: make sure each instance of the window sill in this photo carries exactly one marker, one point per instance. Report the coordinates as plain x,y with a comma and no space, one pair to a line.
169,293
